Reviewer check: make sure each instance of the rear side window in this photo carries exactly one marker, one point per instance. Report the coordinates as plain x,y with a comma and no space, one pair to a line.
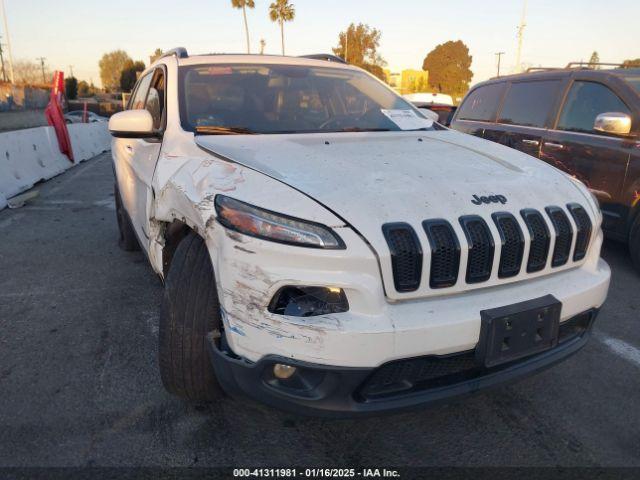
587,100
529,103
482,103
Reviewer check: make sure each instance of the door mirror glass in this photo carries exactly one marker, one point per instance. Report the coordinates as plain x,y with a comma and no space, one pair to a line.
616,123
132,124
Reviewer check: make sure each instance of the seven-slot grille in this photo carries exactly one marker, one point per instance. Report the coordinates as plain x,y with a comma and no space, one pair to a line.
407,256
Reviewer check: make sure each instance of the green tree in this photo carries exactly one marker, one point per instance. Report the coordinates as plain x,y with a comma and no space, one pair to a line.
71,87
449,67
594,60
244,4
84,90
129,75
111,66
358,45
156,55
282,11
635,63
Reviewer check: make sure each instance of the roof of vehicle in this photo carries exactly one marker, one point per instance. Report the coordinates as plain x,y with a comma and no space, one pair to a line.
542,72
315,60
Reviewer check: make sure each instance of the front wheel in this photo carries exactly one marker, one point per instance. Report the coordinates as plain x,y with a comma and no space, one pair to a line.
190,311
634,243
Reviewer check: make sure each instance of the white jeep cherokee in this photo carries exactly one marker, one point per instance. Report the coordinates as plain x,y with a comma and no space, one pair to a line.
327,249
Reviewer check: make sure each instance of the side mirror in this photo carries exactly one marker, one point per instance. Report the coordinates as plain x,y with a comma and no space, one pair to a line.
132,124
613,122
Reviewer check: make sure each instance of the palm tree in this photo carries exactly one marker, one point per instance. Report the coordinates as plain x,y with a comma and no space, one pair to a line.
244,4
281,11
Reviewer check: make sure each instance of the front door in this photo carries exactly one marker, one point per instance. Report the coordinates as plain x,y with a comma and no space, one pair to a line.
599,160
136,158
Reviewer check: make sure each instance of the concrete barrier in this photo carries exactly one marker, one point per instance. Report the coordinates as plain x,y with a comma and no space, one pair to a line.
32,155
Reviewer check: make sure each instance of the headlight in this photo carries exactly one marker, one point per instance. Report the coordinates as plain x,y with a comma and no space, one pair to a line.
276,227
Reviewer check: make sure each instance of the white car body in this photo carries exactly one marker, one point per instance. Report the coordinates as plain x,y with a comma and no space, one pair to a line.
353,183
437,98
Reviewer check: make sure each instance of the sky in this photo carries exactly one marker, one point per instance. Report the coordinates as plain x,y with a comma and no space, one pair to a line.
78,32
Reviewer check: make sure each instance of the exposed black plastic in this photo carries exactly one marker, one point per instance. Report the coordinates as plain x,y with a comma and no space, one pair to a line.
445,253
406,255
481,248
583,234
564,236
540,239
512,244
300,301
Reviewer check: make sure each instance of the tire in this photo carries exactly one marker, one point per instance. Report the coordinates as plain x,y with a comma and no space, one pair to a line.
190,310
634,243
127,240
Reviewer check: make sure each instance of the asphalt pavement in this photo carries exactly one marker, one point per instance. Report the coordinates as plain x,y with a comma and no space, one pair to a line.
79,383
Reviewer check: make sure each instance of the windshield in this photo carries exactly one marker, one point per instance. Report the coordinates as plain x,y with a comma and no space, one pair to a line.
244,99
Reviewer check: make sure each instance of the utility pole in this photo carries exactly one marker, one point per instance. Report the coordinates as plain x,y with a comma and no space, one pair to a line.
521,27
4,73
499,55
6,33
42,59
70,71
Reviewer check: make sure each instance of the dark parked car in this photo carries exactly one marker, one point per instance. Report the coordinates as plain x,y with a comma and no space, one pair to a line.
583,121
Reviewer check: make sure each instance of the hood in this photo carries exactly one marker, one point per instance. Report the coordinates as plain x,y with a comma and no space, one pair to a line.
370,179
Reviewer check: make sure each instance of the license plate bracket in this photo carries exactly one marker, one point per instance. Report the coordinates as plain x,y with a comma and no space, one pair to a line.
516,331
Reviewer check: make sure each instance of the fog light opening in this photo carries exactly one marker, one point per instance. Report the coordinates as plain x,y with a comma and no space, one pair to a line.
283,372
300,301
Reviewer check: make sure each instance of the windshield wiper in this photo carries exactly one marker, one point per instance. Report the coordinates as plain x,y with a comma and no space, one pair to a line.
221,130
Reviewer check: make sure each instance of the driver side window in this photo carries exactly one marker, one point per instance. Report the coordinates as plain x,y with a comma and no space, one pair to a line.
139,97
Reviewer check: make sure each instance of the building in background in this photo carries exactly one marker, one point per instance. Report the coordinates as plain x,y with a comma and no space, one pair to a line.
408,81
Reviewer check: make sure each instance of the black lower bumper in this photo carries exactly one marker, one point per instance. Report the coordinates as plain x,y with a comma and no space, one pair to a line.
321,390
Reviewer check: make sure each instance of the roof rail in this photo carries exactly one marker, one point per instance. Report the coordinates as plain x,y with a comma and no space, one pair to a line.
541,69
325,56
179,52
593,64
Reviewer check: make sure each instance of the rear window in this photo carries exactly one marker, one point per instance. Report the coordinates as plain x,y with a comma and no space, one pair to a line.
482,103
529,103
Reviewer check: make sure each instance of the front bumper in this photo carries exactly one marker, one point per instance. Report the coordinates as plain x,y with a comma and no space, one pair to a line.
322,390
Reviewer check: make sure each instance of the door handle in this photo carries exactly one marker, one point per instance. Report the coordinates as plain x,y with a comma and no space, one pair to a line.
554,145
535,143
129,148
